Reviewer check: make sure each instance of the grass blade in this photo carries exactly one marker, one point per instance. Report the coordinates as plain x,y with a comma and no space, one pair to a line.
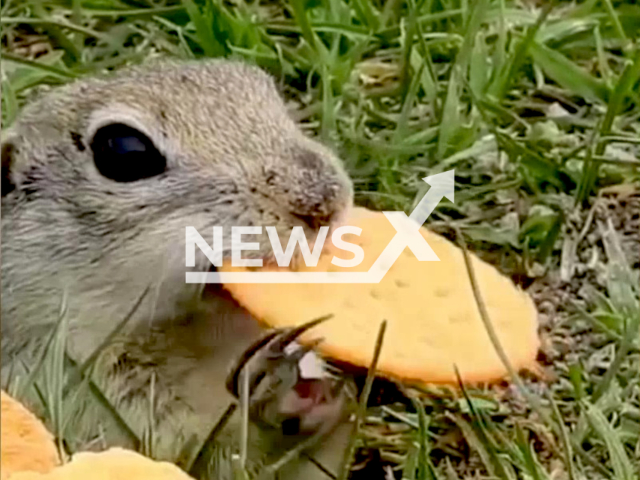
507,73
203,25
426,469
362,405
452,118
627,80
622,466
567,451
48,69
569,75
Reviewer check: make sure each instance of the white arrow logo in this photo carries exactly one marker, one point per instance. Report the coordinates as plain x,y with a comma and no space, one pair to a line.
407,235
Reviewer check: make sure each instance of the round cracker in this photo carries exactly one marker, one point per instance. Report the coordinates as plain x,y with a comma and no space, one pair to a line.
433,319
113,464
26,443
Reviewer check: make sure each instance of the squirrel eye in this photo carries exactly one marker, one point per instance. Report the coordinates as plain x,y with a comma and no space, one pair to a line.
123,154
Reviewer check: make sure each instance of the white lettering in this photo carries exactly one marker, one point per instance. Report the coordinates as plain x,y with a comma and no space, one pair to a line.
193,238
358,252
297,237
237,246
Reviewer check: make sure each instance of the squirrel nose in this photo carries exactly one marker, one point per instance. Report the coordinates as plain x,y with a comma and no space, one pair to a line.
322,190
315,221
322,208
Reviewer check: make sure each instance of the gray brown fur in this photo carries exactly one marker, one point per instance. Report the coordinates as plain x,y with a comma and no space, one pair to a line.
234,158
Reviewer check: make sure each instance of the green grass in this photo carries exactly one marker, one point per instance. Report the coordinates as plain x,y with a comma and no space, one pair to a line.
538,111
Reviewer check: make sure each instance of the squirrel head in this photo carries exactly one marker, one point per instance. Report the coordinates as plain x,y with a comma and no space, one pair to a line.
100,178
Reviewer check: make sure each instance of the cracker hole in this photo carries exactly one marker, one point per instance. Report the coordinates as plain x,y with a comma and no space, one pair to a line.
459,318
375,293
441,292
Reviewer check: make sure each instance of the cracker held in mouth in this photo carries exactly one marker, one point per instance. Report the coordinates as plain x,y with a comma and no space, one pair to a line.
433,319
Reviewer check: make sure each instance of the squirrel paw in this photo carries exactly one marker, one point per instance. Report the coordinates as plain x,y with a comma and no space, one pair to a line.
280,396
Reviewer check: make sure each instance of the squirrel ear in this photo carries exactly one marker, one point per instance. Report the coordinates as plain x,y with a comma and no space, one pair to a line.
8,152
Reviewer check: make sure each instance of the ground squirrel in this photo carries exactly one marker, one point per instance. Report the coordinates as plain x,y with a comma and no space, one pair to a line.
99,180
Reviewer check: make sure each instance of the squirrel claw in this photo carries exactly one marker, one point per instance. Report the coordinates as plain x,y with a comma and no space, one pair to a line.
269,351
278,395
